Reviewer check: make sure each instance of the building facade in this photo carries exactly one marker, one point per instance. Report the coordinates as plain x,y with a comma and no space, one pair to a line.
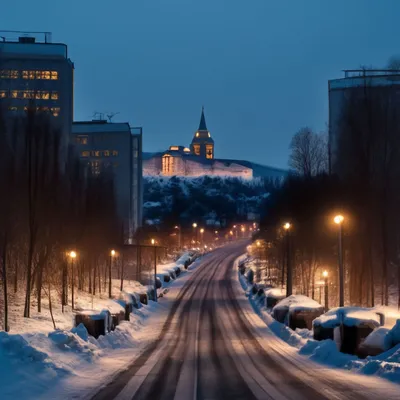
116,146
37,73
199,159
368,86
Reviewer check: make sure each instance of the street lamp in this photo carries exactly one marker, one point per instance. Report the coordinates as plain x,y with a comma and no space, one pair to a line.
72,254
289,283
325,275
112,255
194,225
153,242
338,220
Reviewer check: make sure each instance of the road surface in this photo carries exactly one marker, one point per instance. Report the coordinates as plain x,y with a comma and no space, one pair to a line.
212,347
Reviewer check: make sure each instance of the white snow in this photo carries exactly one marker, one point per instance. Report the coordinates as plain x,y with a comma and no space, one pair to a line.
67,363
379,339
298,302
276,293
385,365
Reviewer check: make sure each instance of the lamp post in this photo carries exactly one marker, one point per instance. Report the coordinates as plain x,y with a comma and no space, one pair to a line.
72,255
289,281
194,231
179,236
325,275
153,242
201,235
236,232
112,255
243,229
339,221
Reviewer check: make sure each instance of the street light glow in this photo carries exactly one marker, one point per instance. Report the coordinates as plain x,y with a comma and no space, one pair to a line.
231,233
258,243
72,254
338,219
153,242
202,230
243,229
194,225
325,274
287,226
112,253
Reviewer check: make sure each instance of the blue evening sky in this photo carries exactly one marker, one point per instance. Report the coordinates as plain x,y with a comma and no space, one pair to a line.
260,67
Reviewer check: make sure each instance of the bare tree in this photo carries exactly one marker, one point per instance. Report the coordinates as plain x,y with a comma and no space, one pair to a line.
309,152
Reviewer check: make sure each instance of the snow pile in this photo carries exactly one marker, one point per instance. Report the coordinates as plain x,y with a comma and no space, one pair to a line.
385,365
276,293
298,302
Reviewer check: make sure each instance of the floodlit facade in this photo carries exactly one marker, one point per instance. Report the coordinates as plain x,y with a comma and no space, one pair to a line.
118,147
36,72
199,160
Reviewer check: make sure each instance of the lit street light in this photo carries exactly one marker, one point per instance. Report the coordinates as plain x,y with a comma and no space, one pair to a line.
72,255
339,221
179,236
112,255
289,280
153,242
325,275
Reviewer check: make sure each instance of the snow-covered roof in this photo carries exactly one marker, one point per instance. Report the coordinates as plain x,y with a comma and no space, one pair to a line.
298,303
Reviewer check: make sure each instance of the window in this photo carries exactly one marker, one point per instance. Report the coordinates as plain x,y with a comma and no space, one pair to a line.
3,94
85,154
55,111
96,153
209,151
106,153
37,74
54,75
54,95
95,167
13,108
115,153
196,148
82,139
9,74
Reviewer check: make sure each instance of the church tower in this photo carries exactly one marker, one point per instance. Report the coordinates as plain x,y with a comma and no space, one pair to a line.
202,144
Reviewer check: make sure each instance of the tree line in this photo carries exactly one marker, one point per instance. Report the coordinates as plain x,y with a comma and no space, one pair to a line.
50,204
357,174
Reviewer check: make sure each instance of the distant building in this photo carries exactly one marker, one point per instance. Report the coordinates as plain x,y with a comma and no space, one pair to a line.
39,73
199,159
357,84
115,146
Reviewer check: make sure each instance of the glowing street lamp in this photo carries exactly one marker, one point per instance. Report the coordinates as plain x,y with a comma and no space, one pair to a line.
153,242
194,225
325,275
72,254
338,220
110,265
289,279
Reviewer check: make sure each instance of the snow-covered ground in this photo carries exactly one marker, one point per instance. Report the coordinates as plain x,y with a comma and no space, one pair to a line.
38,362
385,365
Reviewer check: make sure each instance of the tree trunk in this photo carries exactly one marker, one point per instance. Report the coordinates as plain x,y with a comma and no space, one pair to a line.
5,286
122,274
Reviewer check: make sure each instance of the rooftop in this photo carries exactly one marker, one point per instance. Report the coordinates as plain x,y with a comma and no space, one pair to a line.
19,43
99,126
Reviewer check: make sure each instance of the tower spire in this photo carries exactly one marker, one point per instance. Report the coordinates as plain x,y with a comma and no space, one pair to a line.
203,125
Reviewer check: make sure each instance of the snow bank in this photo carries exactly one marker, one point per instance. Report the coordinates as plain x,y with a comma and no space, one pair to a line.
276,293
385,365
298,303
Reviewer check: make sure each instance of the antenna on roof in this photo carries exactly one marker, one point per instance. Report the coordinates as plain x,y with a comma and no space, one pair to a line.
97,116
111,115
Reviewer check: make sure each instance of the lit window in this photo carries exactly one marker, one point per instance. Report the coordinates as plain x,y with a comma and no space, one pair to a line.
13,108
25,74
32,75
27,94
115,153
46,75
54,95
197,134
96,153
196,148
54,75
209,151
95,167
106,153
14,94
55,111
3,94
82,139
85,154
14,74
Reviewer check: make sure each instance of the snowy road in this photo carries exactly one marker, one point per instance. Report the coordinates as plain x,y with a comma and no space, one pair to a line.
213,346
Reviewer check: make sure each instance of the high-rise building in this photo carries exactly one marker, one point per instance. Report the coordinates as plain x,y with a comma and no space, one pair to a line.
363,86
36,72
103,145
